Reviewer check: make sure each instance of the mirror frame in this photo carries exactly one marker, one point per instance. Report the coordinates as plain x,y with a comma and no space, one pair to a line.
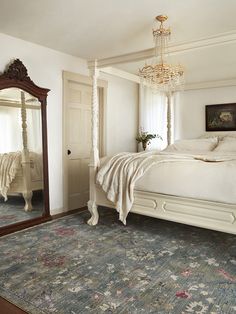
16,75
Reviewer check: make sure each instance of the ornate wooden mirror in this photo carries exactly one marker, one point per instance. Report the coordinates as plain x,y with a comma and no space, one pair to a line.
24,193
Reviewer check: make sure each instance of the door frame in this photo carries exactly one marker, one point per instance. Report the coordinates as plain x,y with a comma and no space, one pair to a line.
102,86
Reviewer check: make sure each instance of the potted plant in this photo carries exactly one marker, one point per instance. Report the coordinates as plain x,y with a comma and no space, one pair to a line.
145,138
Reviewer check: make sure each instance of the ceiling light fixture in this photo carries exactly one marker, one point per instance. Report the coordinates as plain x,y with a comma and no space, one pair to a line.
161,75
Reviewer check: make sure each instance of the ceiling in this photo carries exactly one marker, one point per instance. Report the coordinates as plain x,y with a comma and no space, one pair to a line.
104,28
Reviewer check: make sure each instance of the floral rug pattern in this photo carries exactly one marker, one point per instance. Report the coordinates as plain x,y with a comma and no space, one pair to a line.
12,211
148,266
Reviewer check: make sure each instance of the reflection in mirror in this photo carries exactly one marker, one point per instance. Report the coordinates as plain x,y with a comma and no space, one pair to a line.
21,167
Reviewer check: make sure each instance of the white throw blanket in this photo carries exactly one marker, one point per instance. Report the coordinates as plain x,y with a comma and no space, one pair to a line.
36,166
9,164
118,175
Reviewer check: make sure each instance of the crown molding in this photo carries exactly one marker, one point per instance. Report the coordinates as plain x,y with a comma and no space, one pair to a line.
202,43
188,86
210,84
205,42
125,58
122,74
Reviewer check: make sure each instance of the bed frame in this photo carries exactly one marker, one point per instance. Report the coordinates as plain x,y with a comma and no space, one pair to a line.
23,183
205,214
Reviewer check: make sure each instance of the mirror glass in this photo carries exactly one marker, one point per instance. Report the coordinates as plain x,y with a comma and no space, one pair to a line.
21,163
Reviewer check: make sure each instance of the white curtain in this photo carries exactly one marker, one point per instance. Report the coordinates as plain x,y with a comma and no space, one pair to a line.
153,115
11,130
34,130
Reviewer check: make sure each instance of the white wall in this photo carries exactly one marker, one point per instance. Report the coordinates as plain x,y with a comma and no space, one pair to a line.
190,109
122,115
45,67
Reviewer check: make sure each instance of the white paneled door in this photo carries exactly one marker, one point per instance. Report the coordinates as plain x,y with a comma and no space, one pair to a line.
77,136
79,97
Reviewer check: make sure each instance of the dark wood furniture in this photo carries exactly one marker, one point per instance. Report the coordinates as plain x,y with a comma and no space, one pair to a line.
16,76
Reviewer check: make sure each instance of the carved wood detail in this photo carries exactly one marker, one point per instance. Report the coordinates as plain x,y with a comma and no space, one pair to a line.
16,75
94,159
169,119
17,71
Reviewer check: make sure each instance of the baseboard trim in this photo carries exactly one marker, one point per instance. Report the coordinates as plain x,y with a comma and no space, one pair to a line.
69,212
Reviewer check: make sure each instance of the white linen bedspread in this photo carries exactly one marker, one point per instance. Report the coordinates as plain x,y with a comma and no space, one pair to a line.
9,164
10,169
117,176
211,181
36,166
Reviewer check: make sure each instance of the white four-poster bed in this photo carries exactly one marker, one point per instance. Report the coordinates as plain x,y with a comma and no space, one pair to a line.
220,216
25,179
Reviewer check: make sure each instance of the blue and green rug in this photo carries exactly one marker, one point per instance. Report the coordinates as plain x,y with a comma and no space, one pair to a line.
148,266
12,211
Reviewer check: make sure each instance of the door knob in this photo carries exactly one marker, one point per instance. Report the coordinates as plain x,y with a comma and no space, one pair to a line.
68,152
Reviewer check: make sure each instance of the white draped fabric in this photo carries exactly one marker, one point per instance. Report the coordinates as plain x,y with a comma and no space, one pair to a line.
153,115
34,126
11,130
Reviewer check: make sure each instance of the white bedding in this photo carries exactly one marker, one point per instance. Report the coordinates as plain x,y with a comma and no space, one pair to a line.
36,167
11,169
210,176
9,164
212,181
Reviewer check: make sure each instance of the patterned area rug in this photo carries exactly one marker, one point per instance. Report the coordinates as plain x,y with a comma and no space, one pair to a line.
12,210
149,266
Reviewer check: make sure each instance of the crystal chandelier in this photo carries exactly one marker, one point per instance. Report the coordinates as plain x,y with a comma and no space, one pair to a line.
160,75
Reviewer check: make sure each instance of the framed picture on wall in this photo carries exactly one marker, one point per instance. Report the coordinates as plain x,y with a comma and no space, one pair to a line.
221,117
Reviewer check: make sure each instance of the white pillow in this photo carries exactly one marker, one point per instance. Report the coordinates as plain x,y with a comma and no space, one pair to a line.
209,135
196,145
220,135
227,144
229,138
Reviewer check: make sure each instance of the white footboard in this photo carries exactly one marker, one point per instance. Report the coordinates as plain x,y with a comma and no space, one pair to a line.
205,214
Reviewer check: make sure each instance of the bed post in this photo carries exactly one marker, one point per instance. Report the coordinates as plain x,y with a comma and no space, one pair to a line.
27,193
169,118
94,158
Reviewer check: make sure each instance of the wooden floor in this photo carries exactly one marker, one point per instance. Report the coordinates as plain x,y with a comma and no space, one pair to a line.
9,308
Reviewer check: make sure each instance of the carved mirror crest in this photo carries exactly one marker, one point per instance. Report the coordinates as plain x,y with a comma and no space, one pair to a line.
24,196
